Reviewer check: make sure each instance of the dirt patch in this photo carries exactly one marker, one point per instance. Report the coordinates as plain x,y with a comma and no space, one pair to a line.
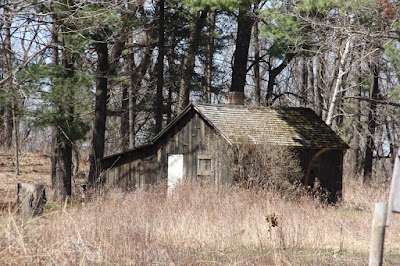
32,167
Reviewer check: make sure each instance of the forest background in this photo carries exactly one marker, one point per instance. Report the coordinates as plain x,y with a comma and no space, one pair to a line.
84,79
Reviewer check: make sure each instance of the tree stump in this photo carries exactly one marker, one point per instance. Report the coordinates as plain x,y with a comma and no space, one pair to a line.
31,198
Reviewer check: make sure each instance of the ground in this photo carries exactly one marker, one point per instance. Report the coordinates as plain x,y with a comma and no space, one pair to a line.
32,168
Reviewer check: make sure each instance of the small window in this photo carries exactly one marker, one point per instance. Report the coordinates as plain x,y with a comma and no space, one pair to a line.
204,165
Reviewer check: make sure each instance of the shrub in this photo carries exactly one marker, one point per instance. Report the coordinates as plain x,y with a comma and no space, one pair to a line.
269,166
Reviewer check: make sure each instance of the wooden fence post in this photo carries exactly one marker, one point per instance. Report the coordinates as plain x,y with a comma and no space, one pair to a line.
378,234
394,196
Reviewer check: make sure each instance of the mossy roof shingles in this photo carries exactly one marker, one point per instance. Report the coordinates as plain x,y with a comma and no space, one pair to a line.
299,127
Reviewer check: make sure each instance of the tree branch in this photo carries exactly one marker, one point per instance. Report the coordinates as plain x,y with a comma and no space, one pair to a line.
373,100
19,68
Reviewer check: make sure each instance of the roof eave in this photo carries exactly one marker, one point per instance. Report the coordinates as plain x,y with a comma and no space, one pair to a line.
112,159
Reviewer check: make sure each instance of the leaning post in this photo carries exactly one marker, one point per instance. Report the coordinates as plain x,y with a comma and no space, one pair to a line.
394,196
378,234
382,215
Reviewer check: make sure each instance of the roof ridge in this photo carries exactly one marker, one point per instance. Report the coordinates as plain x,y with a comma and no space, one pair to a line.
247,106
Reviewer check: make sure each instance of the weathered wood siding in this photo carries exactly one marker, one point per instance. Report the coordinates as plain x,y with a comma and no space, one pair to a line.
131,169
192,136
133,174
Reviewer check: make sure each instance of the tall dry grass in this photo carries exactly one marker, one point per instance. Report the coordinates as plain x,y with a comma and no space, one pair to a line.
200,225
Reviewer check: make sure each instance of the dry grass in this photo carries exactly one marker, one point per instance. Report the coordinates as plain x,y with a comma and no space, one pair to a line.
200,225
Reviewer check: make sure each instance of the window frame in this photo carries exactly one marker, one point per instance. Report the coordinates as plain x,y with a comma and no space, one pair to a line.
200,171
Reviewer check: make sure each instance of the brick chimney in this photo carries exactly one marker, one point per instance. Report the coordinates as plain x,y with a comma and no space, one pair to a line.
234,98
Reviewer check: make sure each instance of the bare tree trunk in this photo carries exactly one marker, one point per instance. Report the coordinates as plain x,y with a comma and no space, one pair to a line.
239,69
209,59
62,181
2,127
16,137
256,68
63,171
303,81
310,81
132,94
114,57
197,24
354,152
62,185
75,157
9,126
8,133
339,80
119,46
171,86
137,74
54,130
169,105
124,129
374,92
319,101
11,130
392,148
61,157
3,89
56,183
273,74
160,68
100,115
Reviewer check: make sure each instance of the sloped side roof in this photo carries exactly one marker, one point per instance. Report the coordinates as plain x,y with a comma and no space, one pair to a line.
298,127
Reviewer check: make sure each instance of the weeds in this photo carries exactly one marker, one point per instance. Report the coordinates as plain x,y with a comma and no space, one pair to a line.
196,225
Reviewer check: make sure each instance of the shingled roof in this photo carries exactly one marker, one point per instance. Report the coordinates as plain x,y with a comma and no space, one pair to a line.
298,127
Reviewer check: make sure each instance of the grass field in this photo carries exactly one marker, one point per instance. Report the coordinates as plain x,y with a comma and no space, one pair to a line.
200,225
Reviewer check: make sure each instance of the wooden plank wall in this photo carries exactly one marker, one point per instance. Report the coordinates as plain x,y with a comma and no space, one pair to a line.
132,174
188,137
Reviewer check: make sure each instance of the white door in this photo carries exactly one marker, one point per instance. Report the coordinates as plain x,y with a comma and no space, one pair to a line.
175,170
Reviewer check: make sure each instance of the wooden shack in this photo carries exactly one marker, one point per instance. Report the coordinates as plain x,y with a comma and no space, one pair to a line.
188,146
